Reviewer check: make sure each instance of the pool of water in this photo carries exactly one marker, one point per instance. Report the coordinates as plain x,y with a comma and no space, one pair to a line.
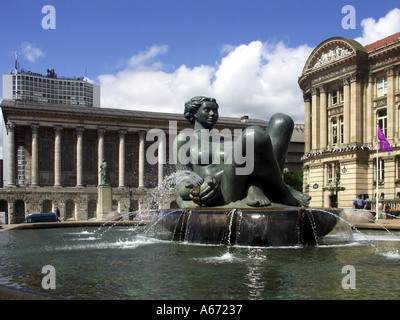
125,263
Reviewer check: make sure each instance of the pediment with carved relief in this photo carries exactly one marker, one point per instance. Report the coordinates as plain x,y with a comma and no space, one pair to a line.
332,51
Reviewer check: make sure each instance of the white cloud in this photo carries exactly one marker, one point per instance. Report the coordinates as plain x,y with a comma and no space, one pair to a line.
386,26
31,52
144,57
257,79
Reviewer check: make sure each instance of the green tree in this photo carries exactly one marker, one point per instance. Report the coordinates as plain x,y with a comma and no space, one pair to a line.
295,179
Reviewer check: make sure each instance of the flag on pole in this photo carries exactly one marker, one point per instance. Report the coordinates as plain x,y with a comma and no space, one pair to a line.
384,145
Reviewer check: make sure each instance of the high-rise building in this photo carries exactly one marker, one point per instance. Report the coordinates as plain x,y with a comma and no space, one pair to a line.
34,87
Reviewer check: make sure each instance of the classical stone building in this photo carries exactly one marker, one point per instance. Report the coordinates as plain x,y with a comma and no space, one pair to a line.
348,89
53,153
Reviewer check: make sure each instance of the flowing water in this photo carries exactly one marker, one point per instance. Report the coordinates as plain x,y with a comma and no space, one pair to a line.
112,262
126,263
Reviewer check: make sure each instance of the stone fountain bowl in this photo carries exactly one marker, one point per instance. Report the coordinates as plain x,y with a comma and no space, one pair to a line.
268,226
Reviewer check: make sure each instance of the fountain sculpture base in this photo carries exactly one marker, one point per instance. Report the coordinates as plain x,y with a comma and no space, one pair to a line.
270,226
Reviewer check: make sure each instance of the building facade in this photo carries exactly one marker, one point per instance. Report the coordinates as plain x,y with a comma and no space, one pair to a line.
347,90
53,154
34,87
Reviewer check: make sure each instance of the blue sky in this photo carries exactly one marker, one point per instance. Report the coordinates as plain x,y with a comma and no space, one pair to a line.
156,54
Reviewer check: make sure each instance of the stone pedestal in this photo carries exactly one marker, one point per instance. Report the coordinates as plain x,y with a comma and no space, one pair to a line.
104,202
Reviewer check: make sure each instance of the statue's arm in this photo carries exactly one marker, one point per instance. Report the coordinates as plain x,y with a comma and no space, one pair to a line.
185,185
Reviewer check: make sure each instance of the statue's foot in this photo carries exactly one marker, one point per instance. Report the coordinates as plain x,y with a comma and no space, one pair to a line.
256,197
304,199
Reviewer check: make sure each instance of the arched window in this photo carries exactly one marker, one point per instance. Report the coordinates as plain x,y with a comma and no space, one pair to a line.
19,209
47,206
4,208
69,210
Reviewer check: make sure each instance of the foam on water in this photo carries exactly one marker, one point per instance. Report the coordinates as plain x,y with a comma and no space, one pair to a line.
227,257
119,244
390,255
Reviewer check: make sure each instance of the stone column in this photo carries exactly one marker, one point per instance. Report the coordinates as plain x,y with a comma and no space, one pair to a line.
307,126
121,178
323,106
355,110
315,118
100,153
390,104
142,135
11,153
369,113
35,156
57,156
346,110
79,157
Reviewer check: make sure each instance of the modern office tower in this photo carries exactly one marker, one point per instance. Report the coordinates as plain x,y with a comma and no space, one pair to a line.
34,87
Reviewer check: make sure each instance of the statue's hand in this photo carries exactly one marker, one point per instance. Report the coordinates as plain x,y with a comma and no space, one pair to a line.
184,190
207,194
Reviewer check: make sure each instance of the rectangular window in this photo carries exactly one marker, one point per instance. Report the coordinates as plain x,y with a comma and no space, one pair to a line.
341,95
397,167
68,156
334,131
381,87
329,172
21,166
381,170
45,155
334,97
382,120
341,123
88,150
109,156
129,158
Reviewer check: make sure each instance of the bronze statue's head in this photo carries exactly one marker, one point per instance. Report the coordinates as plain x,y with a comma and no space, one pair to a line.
193,105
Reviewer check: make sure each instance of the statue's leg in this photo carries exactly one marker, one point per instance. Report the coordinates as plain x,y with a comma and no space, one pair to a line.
280,129
232,185
266,172
239,184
